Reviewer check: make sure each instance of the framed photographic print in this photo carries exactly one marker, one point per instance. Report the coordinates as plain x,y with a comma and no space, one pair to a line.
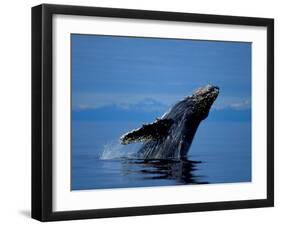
145,112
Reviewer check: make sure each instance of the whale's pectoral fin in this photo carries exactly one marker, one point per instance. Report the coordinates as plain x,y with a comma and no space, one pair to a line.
153,131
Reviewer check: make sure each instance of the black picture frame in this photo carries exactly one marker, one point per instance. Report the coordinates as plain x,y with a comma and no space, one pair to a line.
42,106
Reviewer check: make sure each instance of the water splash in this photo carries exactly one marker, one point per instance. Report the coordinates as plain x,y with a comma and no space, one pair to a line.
115,150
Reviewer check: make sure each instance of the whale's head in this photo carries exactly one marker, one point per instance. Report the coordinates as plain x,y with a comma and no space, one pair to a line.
194,108
203,98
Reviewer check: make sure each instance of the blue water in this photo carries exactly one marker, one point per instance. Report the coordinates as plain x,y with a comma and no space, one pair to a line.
220,153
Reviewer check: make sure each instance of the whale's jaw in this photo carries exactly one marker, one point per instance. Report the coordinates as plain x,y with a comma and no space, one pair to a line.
184,118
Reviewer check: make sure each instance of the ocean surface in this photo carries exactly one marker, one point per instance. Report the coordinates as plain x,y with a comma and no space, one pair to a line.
220,153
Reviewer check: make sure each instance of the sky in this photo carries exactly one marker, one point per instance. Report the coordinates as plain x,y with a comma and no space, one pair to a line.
125,77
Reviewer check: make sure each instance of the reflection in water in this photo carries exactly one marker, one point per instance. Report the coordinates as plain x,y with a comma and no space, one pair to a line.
180,171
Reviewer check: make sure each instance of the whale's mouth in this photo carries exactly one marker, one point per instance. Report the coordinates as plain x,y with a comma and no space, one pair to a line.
215,90
213,93
208,91
204,98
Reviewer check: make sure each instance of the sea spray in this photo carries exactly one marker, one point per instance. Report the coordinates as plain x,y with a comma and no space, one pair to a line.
115,150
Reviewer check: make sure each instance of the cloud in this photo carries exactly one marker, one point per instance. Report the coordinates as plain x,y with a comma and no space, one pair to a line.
83,101
241,105
143,105
235,103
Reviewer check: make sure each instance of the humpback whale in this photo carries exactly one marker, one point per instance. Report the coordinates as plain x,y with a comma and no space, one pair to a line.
170,136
